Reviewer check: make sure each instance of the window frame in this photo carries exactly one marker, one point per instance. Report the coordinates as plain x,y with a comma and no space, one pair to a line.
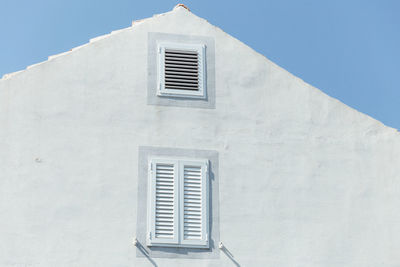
178,240
196,94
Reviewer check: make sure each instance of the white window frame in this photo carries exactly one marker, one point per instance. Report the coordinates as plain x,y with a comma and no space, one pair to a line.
178,240
201,50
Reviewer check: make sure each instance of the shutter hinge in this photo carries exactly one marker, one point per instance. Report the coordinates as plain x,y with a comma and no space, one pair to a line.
206,237
149,235
159,50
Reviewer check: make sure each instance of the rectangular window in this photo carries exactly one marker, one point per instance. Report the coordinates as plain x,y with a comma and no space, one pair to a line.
181,70
178,203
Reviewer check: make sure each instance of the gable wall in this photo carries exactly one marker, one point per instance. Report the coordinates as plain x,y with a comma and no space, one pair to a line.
303,179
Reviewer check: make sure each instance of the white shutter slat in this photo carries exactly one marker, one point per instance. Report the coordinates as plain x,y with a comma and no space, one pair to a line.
164,202
166,173
194,209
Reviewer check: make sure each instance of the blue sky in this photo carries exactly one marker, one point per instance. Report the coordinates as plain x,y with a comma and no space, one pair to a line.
348,49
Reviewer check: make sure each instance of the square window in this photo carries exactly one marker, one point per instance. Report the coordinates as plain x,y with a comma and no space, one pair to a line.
182,70
178,203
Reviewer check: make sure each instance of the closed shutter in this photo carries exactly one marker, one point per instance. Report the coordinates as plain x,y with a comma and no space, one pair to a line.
194,203
178,211
163,202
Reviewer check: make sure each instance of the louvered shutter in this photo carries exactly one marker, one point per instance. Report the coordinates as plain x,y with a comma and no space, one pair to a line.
182,70
194,203
164,179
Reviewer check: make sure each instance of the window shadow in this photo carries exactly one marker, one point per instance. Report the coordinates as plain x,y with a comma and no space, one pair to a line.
143,250
229,255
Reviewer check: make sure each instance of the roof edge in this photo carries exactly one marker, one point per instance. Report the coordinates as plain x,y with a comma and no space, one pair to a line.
9,75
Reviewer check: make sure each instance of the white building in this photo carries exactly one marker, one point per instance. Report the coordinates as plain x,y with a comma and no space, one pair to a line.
175,133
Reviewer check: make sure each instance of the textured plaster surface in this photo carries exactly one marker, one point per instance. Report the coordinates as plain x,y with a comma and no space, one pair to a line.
304,180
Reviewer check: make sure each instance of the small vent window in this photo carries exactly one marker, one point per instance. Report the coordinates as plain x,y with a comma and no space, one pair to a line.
182,70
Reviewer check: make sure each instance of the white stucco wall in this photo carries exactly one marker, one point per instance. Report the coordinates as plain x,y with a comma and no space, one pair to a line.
304,180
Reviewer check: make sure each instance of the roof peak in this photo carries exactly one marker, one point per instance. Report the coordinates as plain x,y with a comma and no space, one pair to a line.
181,5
